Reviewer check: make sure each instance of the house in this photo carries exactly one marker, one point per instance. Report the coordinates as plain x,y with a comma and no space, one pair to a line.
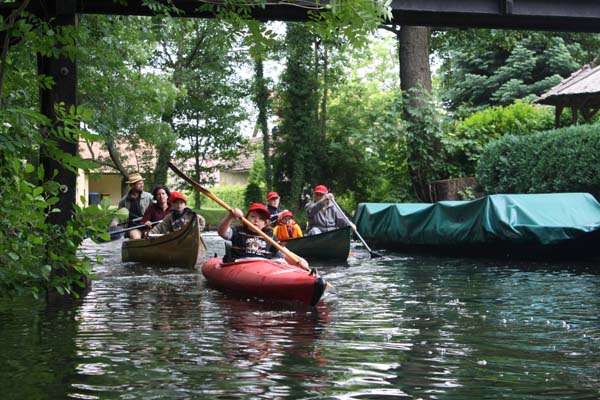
106,182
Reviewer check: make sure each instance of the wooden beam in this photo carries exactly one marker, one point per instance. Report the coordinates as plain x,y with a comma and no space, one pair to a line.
555,15
64,73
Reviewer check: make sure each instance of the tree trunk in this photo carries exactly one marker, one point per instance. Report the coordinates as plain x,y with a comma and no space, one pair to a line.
262,98
415,81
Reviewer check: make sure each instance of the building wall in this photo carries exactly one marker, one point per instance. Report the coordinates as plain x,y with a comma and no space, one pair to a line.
106,185
233,178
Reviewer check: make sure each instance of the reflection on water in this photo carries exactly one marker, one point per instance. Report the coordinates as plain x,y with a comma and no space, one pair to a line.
392,327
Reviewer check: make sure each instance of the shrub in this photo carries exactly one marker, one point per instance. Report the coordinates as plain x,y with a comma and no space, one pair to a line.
561,160
468,138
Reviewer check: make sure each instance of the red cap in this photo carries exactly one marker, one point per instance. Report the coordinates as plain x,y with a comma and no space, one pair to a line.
177,196
272,195
285,213
260,207
321,189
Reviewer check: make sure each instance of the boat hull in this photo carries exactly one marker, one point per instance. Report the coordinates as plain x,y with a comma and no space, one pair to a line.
265,279
328,246
181,248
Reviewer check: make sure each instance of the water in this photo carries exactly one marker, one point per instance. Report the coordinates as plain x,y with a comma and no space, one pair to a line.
402,327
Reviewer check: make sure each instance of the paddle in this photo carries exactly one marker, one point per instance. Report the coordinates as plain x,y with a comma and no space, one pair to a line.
126,222
119,231
373,254
249,224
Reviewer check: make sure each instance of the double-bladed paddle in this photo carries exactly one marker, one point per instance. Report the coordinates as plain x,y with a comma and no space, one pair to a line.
119,231
373,254
249,224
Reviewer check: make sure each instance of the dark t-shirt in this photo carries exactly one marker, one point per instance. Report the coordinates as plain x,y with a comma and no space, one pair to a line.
246,243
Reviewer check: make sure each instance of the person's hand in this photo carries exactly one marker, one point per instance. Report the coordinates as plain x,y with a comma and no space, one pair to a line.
353,226
237,213
302,262
330,196
148,224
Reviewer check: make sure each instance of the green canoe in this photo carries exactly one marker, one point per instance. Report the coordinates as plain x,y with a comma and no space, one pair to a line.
329,246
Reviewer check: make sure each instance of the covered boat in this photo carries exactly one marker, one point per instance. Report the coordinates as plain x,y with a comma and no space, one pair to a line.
264,278
181,248
558,225
328,246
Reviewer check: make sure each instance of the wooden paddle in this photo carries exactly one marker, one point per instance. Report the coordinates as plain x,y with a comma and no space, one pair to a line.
249,224
119,231
373,254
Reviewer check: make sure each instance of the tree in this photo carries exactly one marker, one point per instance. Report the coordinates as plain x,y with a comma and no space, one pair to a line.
202,59
485,67
299,144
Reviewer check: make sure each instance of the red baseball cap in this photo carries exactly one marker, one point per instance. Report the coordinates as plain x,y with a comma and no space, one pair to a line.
272,195
321,189
261,208
177,196
286,213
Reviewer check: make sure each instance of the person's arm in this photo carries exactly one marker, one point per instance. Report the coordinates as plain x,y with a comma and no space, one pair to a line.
164,227
312,208
201,222
225,224
147,217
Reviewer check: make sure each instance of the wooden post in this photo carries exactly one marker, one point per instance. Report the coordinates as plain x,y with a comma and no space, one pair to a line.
64,73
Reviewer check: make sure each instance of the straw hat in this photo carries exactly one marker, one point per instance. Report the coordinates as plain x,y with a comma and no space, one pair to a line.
133,178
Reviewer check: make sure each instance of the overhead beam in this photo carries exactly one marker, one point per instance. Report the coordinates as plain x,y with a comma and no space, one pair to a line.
554,15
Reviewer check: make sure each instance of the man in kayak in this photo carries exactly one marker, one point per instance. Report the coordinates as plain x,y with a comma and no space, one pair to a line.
179,217
273,207
247,243
136,200
322,214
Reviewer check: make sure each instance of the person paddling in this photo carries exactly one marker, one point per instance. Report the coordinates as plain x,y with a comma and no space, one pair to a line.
179,217
273,207
136,200
156,211
247,243
322,214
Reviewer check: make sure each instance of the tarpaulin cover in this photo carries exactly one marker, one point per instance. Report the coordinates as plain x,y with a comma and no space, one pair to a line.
517,218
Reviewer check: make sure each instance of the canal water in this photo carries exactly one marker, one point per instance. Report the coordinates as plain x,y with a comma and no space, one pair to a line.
395,327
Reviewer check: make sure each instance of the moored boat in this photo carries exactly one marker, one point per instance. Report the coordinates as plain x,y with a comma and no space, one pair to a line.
328,246
181,248
527,226
264,278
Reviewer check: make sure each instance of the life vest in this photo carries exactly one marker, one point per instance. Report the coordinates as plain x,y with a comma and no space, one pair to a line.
283,234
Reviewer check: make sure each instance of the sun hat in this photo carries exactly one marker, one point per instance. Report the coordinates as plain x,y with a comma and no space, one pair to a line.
133,178
272,195
261,208
321,189
177,196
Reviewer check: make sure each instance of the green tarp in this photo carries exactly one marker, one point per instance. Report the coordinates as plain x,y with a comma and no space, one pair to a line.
539,219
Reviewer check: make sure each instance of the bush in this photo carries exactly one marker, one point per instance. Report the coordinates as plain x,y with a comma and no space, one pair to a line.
233,195
469,136
561,160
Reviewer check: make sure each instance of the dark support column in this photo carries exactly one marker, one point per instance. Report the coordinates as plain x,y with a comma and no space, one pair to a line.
573,115
64,73
557,112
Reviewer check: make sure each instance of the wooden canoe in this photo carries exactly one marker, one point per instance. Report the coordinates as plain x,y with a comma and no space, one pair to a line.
181,248
264,278
328,246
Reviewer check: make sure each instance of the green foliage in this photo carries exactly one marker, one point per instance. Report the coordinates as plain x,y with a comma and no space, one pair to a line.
36,256
465,140
213,216
561,160
253,194
298,141
483,67
233,195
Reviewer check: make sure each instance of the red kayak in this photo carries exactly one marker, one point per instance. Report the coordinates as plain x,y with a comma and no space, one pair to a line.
264,278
